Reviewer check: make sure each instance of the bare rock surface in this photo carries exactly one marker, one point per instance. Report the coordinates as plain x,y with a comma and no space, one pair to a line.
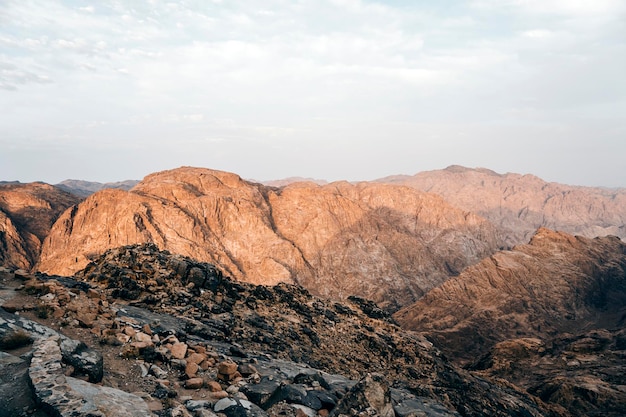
557,283
547,316
386,243
27,212
520,204
582,372
307,354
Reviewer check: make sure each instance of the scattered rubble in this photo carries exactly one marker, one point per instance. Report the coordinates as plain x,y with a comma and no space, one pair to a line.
180,347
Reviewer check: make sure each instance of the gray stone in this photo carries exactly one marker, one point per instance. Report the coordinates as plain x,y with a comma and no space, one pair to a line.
319,399
306,410
261,393
193,405
158,372
238,408
203,412
83,359
71,397
107,401
422,407
16,394
223,404
371,392
408,405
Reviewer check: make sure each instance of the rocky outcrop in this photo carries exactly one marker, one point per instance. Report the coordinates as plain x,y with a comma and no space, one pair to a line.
27,212
520,204
387,243
557,283
70,397
547,316
239,349
583,373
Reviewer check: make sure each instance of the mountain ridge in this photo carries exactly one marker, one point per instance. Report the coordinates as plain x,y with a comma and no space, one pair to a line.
335,239
520,204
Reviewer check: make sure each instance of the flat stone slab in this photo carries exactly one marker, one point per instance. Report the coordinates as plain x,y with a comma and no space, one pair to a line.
71,397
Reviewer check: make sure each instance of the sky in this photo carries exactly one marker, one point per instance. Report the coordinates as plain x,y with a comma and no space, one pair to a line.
331,89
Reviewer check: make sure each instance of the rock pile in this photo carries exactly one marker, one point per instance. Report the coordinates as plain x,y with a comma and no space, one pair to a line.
200,347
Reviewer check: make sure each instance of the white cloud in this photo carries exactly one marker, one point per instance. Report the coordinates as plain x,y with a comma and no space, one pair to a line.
537,33
279,73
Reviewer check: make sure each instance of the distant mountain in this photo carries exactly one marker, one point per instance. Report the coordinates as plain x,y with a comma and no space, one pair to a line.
286,181
27,212
520,204
86,188
549,317
557,283
387,243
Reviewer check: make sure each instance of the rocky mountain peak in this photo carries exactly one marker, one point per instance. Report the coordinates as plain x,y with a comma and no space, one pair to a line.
337,240
520,204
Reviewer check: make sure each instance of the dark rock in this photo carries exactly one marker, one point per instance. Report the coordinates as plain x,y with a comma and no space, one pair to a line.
370,308
371,392
325,400
16,395
261,393
84,359
193,405
234,407
237,352
290,393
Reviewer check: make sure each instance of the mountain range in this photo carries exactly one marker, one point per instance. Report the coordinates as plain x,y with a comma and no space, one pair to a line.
510,277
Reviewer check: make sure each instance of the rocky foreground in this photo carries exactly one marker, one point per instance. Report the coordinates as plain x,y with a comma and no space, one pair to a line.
142,332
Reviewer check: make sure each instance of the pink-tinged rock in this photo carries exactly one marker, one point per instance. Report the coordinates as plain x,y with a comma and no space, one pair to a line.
194,383
227,368
196,358
142,337
178,350
191,369
214,386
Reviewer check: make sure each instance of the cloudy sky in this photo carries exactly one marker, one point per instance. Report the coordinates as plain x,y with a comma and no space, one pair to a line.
336,89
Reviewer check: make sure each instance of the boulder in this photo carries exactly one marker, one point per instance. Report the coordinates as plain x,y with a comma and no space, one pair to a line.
371,392
233,407
84,359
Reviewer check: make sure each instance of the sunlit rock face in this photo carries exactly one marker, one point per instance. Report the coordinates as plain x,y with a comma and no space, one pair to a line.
520,204
556,284
27,212
384,242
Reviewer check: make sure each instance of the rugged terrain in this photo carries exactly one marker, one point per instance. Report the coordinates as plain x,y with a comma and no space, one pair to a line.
520,204
27,212
387,243
549,316
178,337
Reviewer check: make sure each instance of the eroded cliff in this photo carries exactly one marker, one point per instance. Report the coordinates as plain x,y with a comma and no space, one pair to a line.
520,204
387,243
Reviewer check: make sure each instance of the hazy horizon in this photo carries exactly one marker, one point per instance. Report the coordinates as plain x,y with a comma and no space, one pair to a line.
331,89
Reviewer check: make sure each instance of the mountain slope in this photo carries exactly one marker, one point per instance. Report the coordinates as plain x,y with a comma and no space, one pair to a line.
557,283
520,204
27,212
175,329
383,242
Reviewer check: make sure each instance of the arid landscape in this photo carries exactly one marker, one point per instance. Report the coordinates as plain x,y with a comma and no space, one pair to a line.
194,292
